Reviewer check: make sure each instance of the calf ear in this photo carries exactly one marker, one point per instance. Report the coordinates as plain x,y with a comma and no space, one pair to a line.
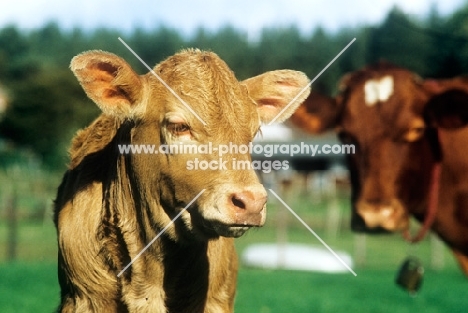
278,93
109,81
448,109
317,114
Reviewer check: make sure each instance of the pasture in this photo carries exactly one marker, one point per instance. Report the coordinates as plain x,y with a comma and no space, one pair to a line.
31,287
29,284
34,68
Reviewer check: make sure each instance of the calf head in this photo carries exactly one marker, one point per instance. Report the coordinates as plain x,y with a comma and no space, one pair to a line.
391,116
206,106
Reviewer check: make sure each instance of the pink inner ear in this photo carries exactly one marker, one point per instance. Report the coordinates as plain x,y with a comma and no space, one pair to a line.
114,93
288,82
268,108
107,67
271,101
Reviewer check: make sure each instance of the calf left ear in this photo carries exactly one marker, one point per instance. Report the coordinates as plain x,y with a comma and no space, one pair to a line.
448,109
109,81
278,93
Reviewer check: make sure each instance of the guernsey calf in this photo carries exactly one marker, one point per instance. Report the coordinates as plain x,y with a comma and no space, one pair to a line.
110,205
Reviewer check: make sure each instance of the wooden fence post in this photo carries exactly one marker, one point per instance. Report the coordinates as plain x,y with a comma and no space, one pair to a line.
360,249
283,221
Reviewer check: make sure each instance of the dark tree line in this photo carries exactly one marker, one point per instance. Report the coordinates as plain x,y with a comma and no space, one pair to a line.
48,106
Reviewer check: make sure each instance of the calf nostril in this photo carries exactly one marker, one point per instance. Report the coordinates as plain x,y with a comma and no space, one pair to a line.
238,202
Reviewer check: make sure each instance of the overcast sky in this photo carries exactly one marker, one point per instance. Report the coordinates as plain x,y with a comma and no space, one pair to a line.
187,15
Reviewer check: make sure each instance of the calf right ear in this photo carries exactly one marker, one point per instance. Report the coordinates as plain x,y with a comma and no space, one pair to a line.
277,93
109,81
448,109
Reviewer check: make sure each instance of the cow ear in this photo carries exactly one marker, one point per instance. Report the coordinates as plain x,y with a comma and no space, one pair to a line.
448,109
109,81
278,93
320,112
317,114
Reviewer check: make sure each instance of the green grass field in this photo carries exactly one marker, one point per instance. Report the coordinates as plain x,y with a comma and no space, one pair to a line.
28,287
32,287
370,291
30,283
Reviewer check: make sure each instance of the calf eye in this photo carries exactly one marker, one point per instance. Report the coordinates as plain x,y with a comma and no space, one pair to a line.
179,129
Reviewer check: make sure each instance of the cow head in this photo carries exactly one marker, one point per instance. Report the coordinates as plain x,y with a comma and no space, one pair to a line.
206,106
391,116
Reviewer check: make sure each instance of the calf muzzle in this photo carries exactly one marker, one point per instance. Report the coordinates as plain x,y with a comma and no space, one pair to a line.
249,208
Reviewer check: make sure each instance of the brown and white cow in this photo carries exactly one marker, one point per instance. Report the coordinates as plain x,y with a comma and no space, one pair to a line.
406,131
111,205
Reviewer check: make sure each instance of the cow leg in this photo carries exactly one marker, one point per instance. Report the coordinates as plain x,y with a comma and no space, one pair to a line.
462,261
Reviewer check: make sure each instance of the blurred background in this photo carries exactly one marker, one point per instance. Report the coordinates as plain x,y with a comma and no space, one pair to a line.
44,106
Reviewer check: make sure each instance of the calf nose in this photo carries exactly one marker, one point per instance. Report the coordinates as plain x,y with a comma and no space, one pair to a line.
249,207
248,201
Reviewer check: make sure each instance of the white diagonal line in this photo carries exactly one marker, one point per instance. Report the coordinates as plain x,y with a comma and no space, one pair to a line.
313,233
160,233
162,81
310,83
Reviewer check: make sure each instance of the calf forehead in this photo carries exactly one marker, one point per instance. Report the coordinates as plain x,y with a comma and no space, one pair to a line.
210,88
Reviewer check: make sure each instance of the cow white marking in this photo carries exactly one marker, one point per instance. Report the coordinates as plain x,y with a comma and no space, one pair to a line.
376,90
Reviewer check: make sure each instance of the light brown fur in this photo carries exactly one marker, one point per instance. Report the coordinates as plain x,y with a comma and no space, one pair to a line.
111,205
